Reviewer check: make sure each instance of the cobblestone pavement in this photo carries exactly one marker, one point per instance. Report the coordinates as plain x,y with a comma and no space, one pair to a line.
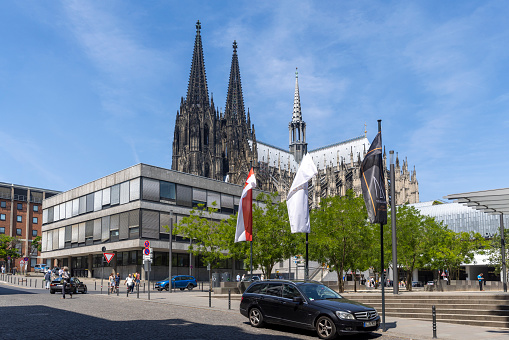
29,313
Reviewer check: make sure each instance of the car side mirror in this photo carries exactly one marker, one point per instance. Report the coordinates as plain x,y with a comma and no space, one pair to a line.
298,299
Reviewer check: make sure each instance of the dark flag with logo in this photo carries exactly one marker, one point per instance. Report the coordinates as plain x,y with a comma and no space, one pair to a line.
373,183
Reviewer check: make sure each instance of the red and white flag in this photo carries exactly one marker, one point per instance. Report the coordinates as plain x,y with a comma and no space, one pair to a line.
244,230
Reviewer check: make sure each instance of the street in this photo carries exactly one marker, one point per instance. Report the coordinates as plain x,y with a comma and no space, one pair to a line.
36,314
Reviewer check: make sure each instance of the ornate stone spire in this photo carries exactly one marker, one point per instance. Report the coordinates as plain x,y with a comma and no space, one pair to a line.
197,91
297,114
234,99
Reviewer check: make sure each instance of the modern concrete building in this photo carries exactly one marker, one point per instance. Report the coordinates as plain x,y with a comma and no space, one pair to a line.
21,217
121,211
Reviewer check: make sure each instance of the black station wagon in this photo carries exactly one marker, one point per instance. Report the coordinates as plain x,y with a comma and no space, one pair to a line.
306,304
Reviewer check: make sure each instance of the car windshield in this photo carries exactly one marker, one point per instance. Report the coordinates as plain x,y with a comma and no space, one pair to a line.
318,292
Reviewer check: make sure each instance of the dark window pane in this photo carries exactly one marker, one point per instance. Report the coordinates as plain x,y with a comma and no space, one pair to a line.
184,196
18,232
273,289
167,190
20,206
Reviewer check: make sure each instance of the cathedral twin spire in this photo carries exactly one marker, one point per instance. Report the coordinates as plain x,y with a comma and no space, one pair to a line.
197,91
206,143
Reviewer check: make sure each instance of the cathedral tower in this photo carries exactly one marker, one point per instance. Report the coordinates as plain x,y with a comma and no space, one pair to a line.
194,137
237,154
297,127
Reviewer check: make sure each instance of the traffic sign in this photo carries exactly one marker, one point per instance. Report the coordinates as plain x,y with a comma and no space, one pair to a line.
147,244
146,251
108,256
25,259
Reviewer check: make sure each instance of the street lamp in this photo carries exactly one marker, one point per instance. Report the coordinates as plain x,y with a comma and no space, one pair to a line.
170,245
395,278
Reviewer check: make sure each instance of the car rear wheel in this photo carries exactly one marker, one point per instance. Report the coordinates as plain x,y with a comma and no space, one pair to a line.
190,286
325,328
255,317
52,291
84,290
167,287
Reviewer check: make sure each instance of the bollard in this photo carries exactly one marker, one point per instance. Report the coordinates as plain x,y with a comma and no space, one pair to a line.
143,287
434,313
229,299
30,283
138,291
210,297
95,286
36,283
118,290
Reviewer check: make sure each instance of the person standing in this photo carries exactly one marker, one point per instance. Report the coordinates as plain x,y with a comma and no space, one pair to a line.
480,278
117,281
129,282
65,280
47,278
238,277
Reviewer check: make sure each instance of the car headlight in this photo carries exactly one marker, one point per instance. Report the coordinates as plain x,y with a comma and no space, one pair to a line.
345,315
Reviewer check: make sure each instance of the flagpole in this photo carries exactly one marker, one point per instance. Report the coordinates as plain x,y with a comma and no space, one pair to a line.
251,259
306,270
382,254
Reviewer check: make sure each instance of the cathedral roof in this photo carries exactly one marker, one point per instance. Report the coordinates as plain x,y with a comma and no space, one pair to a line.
197,91
324,156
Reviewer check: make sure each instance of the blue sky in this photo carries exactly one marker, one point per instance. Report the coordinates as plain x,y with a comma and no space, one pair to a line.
88,88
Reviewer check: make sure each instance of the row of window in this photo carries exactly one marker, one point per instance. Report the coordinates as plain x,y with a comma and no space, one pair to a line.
151,190
3,204
117,194
19,218
18,232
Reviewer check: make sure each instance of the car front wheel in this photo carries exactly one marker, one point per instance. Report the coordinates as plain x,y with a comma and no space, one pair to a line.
255,317
52,291
325,328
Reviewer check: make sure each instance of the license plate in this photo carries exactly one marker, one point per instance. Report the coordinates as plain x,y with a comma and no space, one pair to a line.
370,324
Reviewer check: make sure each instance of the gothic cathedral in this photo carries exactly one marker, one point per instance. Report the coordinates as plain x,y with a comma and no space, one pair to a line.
223,146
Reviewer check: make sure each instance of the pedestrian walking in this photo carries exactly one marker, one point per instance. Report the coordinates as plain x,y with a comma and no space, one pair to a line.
3,269
117,281
47,278
129,282
481,279
66,279
238,277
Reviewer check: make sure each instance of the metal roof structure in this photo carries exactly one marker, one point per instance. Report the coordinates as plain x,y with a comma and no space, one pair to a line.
495,202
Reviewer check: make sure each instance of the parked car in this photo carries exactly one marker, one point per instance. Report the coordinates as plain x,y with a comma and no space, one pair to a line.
430,283
76,286
306,304
248,278
416,284
178,281
41,268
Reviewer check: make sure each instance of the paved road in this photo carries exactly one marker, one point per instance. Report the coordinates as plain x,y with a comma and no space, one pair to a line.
27,313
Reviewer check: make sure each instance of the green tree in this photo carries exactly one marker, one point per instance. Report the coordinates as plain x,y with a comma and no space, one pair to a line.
272,237
340,235
453,249
206,233
413,241
36,243
494,251
8,247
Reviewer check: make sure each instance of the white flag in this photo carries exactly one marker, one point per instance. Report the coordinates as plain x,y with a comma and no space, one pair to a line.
297,200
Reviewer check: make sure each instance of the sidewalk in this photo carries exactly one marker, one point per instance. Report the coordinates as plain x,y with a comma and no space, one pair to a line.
398,327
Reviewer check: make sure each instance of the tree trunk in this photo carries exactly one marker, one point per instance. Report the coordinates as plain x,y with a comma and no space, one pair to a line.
409,280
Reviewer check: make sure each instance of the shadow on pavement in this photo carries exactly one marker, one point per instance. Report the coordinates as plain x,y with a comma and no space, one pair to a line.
10,291
49,323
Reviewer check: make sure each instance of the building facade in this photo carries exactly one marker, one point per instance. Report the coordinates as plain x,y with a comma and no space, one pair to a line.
123,210
223,146
21,217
